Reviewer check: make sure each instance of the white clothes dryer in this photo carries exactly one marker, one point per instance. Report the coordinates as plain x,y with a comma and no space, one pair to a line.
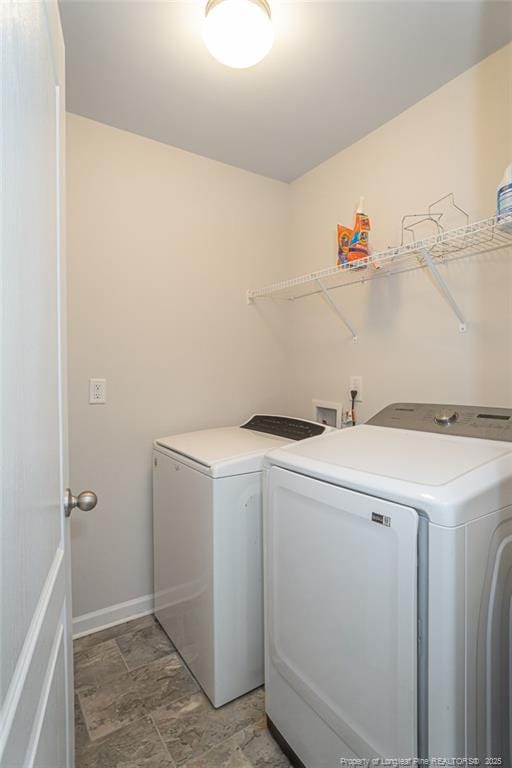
388,584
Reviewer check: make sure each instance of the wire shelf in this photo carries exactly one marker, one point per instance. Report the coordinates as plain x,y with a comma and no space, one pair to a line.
477,238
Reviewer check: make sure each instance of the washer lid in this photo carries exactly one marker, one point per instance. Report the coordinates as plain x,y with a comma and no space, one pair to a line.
420,469
237,450
227,445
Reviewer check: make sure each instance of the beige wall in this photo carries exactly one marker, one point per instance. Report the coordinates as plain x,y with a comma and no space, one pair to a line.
459,139
162,245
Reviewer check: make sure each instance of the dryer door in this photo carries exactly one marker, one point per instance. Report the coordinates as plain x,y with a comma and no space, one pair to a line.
341,587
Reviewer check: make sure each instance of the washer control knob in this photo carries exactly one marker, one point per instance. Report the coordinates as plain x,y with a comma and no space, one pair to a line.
445,418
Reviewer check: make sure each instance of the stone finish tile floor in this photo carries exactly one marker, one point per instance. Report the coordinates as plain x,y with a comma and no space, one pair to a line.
138,706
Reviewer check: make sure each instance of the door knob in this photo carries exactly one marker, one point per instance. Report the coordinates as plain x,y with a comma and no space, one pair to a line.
85,501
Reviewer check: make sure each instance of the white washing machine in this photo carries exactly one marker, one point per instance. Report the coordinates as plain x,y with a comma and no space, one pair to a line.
388,587
208,558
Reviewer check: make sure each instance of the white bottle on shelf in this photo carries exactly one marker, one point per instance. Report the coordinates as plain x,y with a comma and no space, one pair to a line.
504,197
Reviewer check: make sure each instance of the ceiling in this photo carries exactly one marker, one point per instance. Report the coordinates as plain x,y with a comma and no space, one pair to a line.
337,71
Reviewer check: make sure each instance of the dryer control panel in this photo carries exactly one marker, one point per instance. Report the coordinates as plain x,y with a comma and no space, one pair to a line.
461,420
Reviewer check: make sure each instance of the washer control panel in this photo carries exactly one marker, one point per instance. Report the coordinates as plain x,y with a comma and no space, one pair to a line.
461,420
283,426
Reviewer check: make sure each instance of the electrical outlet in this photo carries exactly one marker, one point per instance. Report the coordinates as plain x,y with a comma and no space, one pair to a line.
356,382
97,391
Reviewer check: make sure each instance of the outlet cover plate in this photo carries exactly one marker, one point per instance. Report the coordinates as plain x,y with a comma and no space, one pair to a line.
97,391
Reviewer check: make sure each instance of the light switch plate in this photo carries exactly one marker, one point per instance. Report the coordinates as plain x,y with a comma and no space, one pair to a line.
97,391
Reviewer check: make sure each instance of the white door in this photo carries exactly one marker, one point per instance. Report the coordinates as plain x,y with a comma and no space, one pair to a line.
36,716
340,587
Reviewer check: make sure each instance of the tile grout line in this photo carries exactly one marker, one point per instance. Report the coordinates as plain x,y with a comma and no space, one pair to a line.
151,714
77,698
185,696
115,637
147,713
95,683
122,654
170,652
216,746
110,639
119,727
154,661
155,726
95,743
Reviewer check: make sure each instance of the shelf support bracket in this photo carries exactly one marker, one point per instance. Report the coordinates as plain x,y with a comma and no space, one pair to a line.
429,262
336,308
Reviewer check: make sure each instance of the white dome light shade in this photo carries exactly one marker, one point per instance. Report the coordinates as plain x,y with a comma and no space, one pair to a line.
238,33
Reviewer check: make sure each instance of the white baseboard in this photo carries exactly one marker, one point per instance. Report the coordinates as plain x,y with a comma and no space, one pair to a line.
112,615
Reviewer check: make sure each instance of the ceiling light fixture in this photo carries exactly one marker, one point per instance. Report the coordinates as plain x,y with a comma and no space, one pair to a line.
238,33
